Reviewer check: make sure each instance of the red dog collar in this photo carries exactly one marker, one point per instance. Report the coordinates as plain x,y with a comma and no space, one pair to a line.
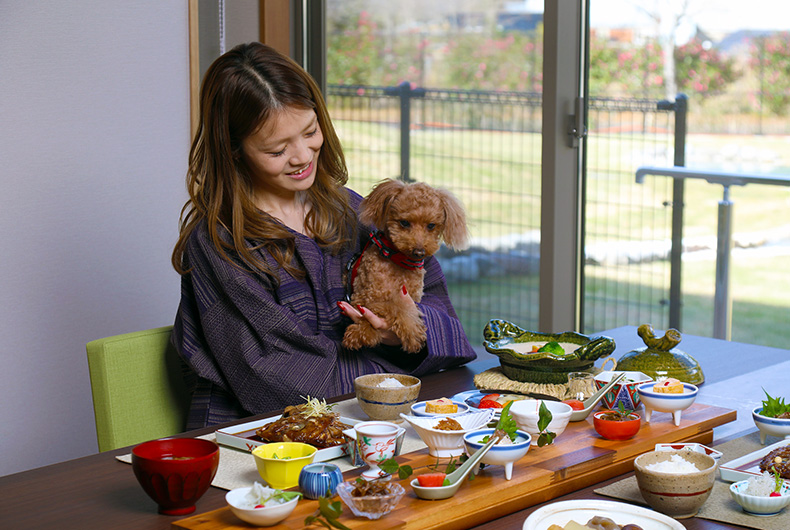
388,250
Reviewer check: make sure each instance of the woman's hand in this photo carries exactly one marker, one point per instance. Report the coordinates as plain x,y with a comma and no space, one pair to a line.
359,313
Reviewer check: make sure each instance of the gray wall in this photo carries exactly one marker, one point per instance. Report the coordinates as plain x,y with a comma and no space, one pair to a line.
94,138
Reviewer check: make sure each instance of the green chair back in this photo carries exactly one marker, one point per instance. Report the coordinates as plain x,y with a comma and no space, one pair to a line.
138,390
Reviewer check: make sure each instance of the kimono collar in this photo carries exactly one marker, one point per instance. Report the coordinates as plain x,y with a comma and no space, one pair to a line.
386,249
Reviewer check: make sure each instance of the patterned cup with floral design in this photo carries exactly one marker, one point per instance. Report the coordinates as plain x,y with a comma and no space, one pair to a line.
376,442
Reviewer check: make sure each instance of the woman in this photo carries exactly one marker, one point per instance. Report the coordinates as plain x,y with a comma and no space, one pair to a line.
264,239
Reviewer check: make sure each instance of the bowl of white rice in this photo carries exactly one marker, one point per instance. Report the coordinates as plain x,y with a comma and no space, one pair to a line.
675,483
754,495
384,396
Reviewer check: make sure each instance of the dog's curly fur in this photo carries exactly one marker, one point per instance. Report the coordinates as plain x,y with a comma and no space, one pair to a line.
415,218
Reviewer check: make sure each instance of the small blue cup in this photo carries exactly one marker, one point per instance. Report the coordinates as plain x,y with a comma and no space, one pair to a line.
319,479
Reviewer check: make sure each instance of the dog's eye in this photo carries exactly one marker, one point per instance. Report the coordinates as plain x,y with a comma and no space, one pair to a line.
431,226
404,223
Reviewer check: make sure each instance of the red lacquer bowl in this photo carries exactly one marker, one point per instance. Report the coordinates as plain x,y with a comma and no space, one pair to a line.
617,430
175,472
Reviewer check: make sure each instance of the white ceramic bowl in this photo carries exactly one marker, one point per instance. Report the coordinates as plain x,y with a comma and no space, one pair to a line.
499,455
666,402
447,443
755,505
526,415
770,426
418,409
267,516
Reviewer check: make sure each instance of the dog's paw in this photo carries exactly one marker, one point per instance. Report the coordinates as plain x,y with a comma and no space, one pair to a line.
413,335
358,336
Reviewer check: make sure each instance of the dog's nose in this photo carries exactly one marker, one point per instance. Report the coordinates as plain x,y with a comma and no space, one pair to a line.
418,253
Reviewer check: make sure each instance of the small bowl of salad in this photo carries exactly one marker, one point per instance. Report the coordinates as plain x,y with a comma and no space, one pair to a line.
260,505
773,418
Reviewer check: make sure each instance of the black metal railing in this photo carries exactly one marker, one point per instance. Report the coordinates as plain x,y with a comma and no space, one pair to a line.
486,147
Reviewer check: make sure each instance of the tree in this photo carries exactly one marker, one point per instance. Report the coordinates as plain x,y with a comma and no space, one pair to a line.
771,58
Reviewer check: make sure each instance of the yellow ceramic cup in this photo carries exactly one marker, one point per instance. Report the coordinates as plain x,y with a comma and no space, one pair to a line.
280,463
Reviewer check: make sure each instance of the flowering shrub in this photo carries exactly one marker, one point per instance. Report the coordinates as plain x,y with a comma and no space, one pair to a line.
701,70
771,57
509,62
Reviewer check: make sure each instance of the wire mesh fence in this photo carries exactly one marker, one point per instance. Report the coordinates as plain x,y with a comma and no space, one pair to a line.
486,148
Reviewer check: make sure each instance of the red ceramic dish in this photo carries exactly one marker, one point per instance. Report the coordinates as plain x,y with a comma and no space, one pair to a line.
616,430
175,472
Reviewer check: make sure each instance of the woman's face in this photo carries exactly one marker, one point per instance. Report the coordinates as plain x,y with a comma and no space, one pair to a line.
282,155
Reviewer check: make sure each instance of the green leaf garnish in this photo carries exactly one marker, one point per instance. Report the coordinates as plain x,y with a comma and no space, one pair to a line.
327,514
773,407
544,418
552,347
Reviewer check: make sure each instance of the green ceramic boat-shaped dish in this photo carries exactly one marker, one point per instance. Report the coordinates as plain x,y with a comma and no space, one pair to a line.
512,345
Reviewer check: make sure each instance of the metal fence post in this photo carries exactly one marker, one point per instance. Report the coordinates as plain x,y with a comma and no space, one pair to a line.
680,106
722,300
405,93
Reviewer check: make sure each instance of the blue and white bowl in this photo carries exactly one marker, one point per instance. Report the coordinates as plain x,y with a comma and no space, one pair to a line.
498,455
770,426
666,402
418,409
758,505
320,479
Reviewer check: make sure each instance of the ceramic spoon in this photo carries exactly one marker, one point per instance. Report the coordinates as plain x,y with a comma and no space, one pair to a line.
592,401
456,478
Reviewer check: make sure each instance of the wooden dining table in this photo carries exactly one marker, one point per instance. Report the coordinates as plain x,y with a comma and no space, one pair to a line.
99,491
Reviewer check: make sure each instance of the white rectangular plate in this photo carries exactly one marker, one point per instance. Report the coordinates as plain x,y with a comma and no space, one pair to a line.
242,436
748,465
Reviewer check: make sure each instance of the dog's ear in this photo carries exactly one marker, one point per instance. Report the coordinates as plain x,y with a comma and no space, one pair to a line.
456,234
374,210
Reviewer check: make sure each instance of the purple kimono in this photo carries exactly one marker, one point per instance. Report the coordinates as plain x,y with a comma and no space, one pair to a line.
254,347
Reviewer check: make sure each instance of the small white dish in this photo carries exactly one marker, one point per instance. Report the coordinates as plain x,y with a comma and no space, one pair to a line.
418,409
526,414
499,455
756,505
447,443
266,516
697,448
666,402
770,426
454,479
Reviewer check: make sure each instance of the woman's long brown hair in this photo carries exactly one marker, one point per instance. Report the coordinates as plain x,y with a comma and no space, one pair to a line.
241,90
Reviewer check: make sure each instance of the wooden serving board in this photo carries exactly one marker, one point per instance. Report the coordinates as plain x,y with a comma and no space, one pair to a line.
578,458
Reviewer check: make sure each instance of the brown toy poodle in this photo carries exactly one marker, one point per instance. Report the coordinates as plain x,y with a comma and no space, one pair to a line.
410,221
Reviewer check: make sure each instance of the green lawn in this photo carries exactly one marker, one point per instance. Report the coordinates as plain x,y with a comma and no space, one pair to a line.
497,176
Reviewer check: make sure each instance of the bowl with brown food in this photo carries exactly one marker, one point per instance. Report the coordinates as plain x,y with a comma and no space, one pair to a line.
617,425
772,418
445,436
370,498
385,396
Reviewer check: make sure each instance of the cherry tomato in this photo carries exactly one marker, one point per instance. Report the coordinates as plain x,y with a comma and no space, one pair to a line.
575,404
431,480
490,404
